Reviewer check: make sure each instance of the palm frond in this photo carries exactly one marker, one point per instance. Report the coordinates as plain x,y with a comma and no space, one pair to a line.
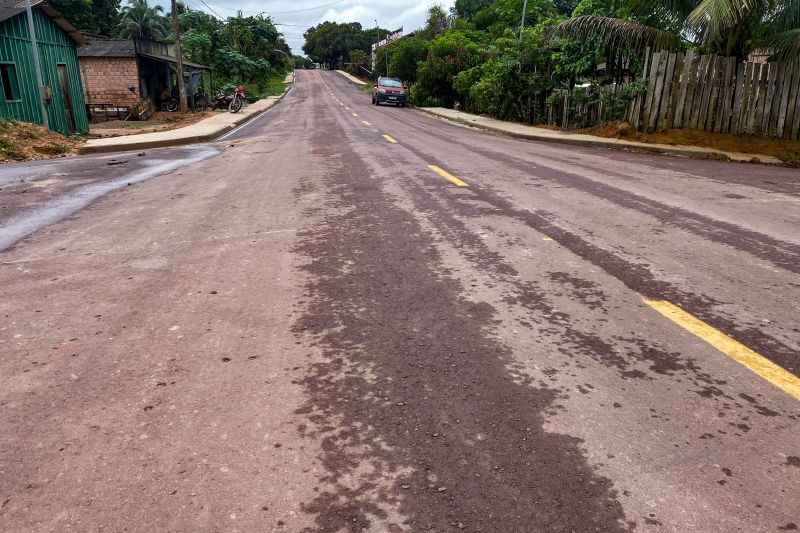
615,33
784,46
786,16
713,17
672,10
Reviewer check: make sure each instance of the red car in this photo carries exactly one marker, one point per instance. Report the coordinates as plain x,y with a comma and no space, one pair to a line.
389,90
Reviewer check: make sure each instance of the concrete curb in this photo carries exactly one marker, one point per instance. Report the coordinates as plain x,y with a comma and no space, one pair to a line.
352,79
179,141
615,144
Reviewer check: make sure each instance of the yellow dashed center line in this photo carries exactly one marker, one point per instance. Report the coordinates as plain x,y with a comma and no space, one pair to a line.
364,122
740,353
446,175
547,239
389,139
355,114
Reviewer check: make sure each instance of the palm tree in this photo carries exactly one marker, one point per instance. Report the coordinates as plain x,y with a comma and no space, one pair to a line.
140,19
726,27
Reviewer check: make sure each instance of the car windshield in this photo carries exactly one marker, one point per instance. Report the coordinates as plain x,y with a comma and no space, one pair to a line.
390,83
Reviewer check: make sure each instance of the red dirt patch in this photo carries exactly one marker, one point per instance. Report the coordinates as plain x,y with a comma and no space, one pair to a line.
23,141
787,151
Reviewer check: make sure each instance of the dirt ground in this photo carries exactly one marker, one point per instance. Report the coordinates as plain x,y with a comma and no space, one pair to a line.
159,121
21,141
788,151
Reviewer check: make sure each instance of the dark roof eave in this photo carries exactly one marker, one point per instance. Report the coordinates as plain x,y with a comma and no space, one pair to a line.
173,61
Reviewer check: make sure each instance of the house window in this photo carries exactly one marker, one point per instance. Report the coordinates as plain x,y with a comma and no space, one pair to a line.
8,78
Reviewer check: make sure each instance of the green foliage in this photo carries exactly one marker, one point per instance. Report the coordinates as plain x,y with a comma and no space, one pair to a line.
505,14
197,46
94,16
301,62
239,50
436,23
615,103
512,83
448,54
359,60
466,9
405,56
141,19
331,42
713,26
231,65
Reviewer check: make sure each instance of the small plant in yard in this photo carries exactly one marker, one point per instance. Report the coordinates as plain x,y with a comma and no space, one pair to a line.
791,158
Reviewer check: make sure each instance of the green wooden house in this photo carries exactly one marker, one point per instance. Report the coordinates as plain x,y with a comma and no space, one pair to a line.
57,40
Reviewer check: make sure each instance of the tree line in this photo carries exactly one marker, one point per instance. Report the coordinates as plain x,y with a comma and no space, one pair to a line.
239,48
477,55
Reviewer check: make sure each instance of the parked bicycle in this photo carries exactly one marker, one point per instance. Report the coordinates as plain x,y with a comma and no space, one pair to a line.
201,100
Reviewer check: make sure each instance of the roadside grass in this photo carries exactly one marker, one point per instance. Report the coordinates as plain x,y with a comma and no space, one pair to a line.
272,86
367,88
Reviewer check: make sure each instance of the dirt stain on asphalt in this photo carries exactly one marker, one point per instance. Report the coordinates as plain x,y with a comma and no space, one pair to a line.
423,422
638,276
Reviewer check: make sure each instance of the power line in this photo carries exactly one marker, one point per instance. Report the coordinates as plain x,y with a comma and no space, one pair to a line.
277,12
209,8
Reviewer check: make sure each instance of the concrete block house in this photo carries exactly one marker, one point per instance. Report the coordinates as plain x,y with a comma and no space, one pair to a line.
126,78
57,40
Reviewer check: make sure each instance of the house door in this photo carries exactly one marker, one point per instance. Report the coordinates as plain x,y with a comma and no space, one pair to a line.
63,82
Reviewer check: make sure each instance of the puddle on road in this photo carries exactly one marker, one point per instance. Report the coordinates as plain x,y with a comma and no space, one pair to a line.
32,220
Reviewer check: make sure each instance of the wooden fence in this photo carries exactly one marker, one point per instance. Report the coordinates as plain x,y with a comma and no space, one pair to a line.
719,94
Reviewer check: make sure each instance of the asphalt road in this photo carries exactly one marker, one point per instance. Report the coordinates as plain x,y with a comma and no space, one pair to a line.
311,326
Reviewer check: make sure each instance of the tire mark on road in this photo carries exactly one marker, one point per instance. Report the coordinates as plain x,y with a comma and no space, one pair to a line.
416,405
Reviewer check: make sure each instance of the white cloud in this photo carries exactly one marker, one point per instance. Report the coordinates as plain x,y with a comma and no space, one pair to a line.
391,14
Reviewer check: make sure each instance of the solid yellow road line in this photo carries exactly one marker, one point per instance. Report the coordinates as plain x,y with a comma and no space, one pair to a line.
364,122
740,353
446,175
389,139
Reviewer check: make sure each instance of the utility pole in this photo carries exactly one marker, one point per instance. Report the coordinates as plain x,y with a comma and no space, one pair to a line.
37,67
522,22
179,57
375,58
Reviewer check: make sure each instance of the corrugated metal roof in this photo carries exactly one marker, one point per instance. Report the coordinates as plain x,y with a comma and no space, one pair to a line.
99,47
12,8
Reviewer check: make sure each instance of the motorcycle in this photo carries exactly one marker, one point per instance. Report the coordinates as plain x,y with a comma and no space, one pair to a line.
221,101
238,98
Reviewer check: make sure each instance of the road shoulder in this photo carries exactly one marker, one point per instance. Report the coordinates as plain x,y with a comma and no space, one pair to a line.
351,78
545,135
205,130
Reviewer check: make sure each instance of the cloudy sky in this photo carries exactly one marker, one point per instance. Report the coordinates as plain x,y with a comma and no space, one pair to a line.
295,16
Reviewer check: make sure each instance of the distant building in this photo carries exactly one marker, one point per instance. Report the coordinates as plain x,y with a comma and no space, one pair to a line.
19,92
130,77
